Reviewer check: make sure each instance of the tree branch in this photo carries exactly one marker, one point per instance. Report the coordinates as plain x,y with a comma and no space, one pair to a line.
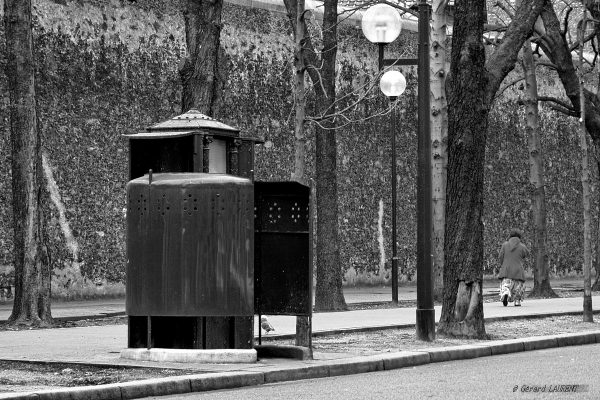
505,8
566,21
547,64
507,86
563,110
575,45
503,60
559,54
560,103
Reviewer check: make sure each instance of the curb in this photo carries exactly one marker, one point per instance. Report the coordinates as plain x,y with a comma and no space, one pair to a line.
309,370
74,318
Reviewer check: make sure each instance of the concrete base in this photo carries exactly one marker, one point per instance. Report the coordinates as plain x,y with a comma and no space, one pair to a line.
217,356
283,351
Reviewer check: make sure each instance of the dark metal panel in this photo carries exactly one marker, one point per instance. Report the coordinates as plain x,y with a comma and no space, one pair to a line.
246,159
243,331
198,153
284,281
283,268
161,155
137,231
173,332
218,333
192,332
193,256
136,334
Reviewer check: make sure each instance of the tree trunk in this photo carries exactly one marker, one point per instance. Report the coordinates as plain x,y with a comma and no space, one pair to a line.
303,328
439,138
299,95
541,280
588,314
321,70
471,87
32,268
462,310
328,294
596,285
202,72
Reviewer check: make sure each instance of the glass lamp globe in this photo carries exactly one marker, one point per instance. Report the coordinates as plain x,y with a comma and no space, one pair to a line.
392,83
381,23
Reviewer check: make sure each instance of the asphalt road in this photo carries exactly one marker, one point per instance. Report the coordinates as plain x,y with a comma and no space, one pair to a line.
528,375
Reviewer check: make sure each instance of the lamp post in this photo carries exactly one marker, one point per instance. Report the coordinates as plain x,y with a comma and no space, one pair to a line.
381,24
392,85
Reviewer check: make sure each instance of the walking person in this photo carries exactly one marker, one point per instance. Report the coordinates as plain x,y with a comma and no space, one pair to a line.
512,255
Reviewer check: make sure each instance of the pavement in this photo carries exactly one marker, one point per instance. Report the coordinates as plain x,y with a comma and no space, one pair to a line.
101,345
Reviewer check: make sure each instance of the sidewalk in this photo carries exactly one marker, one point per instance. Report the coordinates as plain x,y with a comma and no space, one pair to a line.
112,307
102,345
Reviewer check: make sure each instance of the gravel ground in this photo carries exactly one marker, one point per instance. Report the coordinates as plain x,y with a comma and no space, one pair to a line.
394,340
18,376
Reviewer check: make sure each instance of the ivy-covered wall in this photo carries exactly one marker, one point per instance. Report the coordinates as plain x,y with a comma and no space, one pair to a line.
508,198
107,68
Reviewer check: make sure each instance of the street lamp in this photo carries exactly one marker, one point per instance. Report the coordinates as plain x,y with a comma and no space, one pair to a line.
381,24
393,84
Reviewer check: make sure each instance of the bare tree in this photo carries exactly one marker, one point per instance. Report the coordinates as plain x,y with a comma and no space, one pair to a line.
588,315
596,285
584,103
471,88
439,137
32,267
541,280
320,66
504,11
303,331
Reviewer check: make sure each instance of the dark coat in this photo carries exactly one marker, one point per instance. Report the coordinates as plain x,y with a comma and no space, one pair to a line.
512,254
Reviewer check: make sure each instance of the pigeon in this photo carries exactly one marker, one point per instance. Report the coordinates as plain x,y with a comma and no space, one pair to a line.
265,324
